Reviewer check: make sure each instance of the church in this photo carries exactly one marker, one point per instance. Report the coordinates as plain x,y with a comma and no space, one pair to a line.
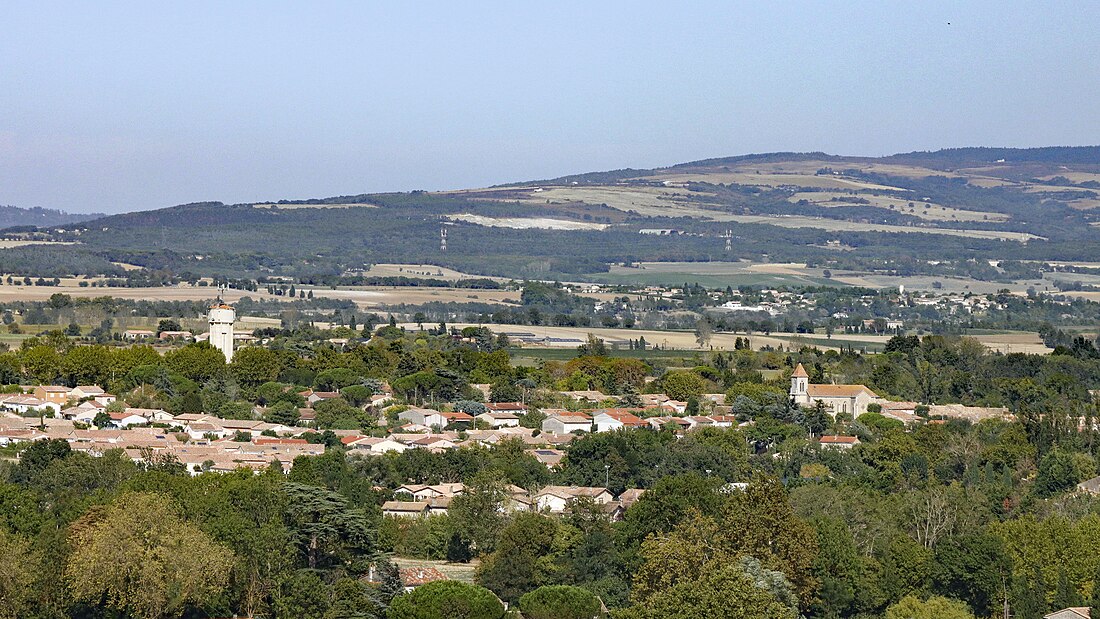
851,399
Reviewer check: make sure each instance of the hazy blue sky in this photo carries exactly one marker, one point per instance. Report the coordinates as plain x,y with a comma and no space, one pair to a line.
121,106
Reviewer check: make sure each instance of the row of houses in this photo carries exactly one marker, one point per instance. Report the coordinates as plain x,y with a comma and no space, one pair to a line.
419,500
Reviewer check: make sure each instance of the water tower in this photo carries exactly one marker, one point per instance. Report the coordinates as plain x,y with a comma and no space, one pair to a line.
221,329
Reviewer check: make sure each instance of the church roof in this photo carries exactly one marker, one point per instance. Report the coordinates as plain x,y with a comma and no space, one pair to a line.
800,372
836,391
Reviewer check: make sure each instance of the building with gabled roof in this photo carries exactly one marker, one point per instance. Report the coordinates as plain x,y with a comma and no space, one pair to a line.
847,399
839,442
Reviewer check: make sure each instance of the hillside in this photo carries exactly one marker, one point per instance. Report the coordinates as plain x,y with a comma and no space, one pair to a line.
946,212
14,216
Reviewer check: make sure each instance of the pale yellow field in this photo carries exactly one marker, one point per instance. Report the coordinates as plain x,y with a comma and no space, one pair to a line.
8,244
925,210
772,180
374,296
670,202
1074,177
680,340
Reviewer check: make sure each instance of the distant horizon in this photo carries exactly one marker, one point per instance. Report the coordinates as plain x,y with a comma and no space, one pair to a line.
531,179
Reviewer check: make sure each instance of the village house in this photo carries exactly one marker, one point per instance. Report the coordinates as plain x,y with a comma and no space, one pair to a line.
80,392
424,492
499,419
52,393
373,445
567,423
556,499
125,420
515,408
24,404
405,509
839,442
550,458
413,577
423,417
137,334
610,419
457,417
1075,612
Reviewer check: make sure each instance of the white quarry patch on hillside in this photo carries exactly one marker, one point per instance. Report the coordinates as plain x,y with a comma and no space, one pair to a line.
524,223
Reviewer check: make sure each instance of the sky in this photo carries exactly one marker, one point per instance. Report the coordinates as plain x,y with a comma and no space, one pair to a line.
121,106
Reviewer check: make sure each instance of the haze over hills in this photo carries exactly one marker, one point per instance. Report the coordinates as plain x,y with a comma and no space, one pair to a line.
12,216
954,211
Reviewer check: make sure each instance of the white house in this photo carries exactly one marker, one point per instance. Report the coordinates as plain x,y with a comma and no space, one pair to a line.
566,424
556,499
614,419
423,417
376,445
126,420
23,404
499,420
201,429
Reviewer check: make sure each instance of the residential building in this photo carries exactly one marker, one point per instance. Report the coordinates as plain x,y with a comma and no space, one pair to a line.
839,442
52,393
556,499
423,417
405,509
610,419
499,420
567,423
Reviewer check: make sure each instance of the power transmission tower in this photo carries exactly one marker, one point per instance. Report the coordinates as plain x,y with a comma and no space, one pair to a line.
729,239
442,239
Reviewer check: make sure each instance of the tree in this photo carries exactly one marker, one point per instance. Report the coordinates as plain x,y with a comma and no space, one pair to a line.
593,346
283,413
1065,593
198,362
725,591
560,602
170,567
682,385
253,366
523,558
1056,473
935,607
703,332
446,599
168,324
17,576
479,511
327,531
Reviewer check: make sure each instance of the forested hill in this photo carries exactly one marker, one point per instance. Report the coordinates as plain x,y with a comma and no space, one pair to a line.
951,212
13,216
